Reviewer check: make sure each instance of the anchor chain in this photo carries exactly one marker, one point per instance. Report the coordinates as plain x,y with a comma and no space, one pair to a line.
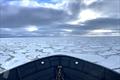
59,75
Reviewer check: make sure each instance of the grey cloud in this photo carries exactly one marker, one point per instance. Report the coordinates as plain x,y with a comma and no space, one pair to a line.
12,16
74,7
104,23
108,7
5,35
100,23
33,16
52,21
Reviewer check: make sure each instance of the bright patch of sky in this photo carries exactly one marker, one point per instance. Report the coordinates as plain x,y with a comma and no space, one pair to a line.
68,30
31,28
48,1
103,32
86,15
5,29
54,4
89,2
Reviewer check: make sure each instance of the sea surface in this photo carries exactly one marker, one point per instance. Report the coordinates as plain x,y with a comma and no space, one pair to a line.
103,51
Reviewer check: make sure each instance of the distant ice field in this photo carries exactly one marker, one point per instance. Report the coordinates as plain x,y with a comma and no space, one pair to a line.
103,51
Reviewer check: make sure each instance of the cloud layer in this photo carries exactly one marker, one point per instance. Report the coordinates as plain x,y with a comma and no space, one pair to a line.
59,17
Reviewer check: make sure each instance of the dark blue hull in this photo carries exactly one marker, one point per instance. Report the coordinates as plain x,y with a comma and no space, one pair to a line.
60,68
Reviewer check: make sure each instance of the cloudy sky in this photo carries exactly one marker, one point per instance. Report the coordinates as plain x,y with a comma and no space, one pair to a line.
59,18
